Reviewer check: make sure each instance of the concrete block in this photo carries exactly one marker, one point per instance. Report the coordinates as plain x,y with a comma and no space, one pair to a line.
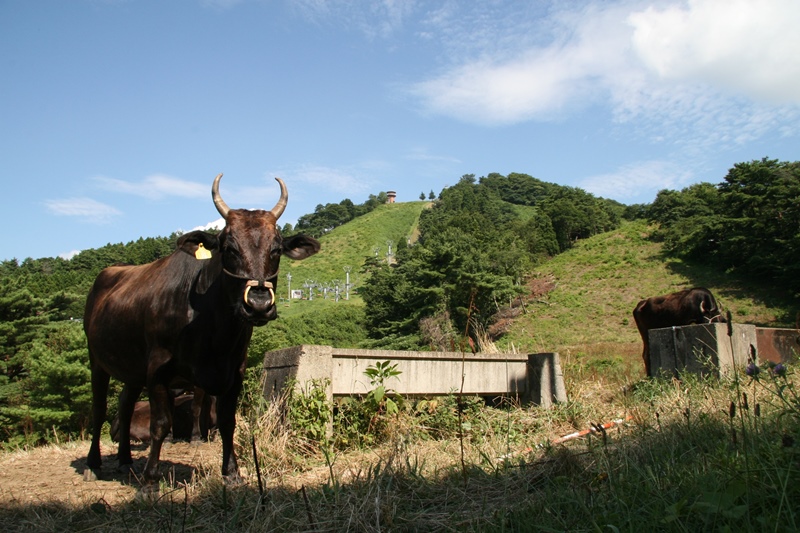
700,349
533,378
545,385
303,364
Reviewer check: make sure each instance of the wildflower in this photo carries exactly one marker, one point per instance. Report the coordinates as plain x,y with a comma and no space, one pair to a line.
779,370
752,370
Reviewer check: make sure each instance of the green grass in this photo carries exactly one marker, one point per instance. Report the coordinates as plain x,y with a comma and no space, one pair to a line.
683,462
350,244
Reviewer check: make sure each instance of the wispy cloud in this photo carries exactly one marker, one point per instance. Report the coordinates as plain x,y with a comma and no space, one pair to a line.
85,208
638,180
350,180
374,19
156,187
686,70
220,4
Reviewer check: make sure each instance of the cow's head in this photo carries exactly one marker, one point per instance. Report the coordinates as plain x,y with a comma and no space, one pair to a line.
251,247
711,313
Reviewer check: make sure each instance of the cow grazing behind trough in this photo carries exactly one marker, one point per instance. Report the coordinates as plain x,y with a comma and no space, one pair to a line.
682,308
187,317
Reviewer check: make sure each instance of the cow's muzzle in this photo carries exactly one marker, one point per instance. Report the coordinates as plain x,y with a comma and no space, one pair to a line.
263,287
260,284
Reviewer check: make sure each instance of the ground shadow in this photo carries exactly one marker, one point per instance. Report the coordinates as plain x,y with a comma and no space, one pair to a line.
175,472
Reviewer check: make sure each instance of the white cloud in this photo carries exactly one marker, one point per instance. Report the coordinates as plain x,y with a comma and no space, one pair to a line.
214,224
741,45
535,81
69,255
638,181
156,187
86,208
706,71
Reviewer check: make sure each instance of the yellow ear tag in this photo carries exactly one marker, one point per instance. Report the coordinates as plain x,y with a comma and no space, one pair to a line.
201,252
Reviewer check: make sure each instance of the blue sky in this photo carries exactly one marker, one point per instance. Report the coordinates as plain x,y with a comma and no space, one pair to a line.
117,114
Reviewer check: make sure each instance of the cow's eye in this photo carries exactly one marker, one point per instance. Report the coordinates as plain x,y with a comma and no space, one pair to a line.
230,254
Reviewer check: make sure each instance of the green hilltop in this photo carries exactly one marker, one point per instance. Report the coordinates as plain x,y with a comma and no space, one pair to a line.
351,243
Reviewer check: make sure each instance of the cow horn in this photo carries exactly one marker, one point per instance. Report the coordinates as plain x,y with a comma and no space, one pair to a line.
284,199
222,207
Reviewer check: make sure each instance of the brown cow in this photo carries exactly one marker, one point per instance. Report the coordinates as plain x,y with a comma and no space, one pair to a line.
187,317
193,417
689,306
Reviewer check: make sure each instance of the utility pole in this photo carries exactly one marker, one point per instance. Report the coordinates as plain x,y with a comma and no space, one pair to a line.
289,285
347,282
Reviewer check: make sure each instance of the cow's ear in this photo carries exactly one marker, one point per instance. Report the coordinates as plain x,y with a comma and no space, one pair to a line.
191,242
300,246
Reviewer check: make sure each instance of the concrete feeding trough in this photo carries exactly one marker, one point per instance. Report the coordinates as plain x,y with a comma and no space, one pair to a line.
778,345
703,349
530,378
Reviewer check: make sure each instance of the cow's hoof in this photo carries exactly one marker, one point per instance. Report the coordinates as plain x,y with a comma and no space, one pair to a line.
149,491
90,475
128,469
233,480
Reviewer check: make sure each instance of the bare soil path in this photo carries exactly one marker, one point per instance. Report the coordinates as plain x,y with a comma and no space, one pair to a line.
55,473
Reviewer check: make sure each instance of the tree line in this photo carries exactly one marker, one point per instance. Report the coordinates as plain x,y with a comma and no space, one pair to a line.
329,216
748,224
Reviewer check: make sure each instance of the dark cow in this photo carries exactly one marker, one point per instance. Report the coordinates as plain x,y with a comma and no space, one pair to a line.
689,306
186,317
193,418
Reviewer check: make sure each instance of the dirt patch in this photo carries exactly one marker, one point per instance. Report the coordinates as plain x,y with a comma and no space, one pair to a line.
55,473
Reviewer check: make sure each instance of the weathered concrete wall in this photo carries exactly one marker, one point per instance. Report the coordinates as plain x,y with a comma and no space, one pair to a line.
778,345
303,363
700,349
533,378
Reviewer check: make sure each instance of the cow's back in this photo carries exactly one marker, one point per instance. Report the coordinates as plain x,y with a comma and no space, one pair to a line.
131,309
682,308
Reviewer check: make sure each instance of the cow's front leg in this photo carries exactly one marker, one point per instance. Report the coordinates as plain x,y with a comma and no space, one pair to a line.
160,426
198,411
226,422
127,401
100,380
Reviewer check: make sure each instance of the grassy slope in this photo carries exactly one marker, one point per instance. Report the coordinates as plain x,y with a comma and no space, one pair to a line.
350,244
599,282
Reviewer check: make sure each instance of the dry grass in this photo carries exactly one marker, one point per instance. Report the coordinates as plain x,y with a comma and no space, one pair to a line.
675,456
